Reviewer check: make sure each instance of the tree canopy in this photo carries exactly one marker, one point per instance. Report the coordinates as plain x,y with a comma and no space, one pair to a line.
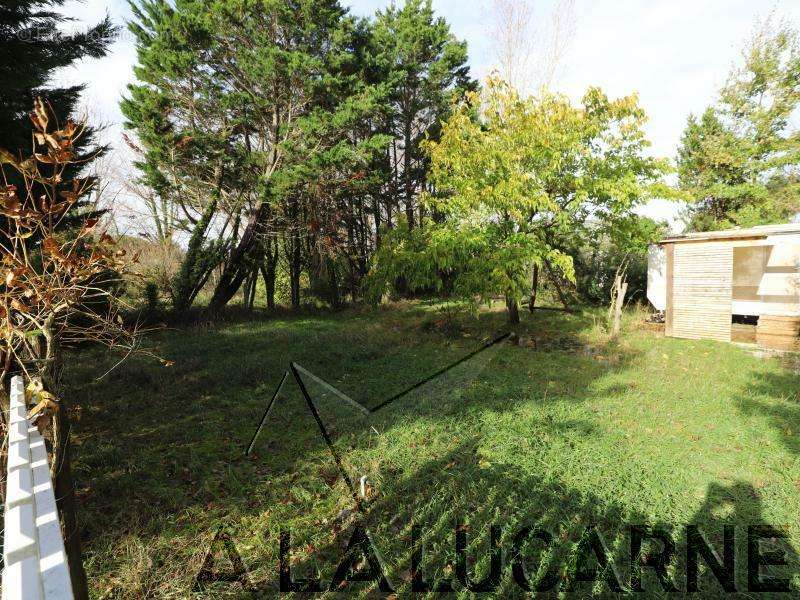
515,184
425,68
739,160
286,134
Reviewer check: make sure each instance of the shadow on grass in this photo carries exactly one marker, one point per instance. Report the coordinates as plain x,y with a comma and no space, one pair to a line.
776,395
160,452
547,539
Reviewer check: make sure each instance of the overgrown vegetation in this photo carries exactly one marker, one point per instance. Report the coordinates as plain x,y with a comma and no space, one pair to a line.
598,255
289,153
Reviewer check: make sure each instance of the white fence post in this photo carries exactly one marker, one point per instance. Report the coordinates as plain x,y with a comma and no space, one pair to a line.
33,549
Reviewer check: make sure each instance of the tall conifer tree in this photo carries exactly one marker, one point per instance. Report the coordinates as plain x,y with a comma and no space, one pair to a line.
245,113
427,69
33,47
740,161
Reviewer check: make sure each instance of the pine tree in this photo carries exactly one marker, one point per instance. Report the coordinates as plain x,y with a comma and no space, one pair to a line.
427,69
186,140
32,48
740,161
245,113
308,49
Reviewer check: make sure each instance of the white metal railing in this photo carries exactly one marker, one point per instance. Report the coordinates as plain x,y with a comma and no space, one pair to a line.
33,549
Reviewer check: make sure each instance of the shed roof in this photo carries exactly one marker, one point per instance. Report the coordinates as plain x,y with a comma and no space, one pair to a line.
761,231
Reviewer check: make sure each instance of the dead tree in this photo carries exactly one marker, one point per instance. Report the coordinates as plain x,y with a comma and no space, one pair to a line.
618,292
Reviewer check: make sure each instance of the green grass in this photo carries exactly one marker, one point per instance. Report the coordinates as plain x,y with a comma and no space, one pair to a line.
578,432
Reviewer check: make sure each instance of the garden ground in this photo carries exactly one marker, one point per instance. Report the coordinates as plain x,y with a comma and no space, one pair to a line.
575,432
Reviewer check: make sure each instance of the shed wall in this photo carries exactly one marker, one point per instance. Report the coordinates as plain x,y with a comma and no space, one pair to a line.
780,286
657,276
702,289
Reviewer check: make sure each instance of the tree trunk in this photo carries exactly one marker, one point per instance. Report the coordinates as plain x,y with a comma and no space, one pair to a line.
241,261
409,187
269,286
250,289
534,288
333,282
268,269
294,273
246,293
618,302
376,214
251,300
513,310
557,285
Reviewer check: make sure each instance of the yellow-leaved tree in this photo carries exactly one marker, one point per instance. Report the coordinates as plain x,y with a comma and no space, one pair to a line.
513,180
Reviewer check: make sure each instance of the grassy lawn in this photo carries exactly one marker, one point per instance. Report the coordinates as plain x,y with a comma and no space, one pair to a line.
575,432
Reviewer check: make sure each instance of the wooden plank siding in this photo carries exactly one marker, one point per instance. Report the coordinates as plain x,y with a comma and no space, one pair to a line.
778,332
702,288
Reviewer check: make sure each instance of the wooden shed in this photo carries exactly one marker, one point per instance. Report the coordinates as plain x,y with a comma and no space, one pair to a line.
707,283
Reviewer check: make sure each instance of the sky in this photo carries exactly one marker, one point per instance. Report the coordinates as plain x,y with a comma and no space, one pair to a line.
674,53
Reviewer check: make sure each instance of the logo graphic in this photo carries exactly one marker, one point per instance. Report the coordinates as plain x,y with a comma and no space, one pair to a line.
590,561
360,548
